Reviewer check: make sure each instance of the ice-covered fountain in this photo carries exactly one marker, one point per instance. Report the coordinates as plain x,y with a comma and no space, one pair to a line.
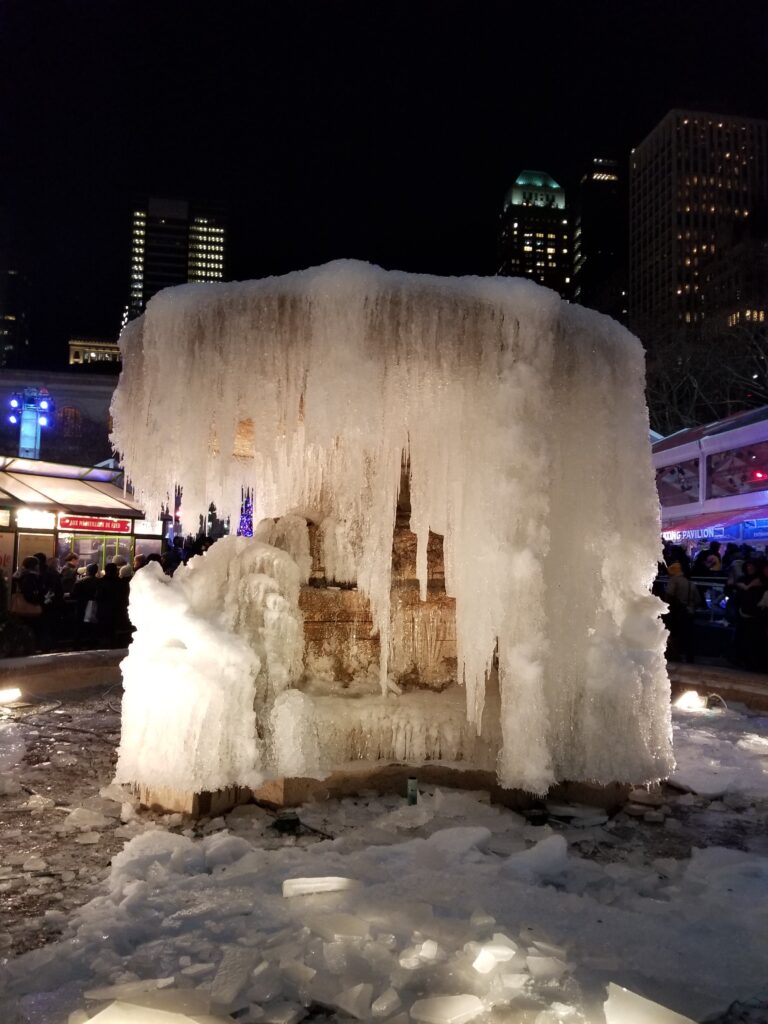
457,528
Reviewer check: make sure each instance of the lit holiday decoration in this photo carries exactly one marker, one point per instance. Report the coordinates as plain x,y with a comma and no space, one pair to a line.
245,526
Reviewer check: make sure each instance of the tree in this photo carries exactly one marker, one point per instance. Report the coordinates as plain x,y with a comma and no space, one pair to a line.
698,376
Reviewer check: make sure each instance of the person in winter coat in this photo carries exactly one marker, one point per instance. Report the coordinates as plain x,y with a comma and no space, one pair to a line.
112,606
749,623
84,592
26,581
683,598
69,573
53,599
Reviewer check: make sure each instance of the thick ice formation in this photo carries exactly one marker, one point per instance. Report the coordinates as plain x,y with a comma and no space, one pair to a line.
524,424
220,637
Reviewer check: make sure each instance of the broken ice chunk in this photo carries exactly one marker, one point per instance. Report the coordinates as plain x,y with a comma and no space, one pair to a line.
513,982
484,962
339,926
115,793
83,817
124,990
327,883
282,1013
34,863
297,973
548,949
546,968
429,950
88,838
481,921
625,1007
39,803
127,811
182,1007
335,957
502,947
386,1004
447,1009
499,950
197,970
9,786
232,974
355,1001
410,958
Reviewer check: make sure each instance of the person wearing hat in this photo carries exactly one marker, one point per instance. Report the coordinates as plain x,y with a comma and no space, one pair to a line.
69,572
124,570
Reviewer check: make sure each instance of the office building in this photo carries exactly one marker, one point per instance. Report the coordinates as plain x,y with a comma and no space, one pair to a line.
694,183
93,352
737,287
600,239
534,236
14,316
173,242
14,298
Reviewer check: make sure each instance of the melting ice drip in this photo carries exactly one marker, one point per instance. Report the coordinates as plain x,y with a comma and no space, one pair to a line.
524,425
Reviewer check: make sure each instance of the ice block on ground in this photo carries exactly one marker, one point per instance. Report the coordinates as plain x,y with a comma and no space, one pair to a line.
447,1009
625,1007
327,883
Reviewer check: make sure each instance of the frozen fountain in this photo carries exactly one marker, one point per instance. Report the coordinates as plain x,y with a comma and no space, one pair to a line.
457,529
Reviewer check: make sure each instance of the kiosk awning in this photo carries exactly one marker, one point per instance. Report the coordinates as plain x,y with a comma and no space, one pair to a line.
62,494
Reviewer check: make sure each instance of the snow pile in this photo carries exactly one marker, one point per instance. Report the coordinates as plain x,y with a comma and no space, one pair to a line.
525,429
221,636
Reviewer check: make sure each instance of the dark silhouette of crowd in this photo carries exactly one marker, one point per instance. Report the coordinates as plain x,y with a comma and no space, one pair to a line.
738,576
46,607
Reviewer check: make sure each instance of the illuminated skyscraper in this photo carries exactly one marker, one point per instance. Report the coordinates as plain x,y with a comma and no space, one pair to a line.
173,242
534,236
695,182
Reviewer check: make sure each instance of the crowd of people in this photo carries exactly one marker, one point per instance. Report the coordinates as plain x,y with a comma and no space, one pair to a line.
53,606
49,606
741,574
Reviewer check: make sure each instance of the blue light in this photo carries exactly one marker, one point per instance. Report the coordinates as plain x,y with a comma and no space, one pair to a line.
43,421
13,419
44,404
14,403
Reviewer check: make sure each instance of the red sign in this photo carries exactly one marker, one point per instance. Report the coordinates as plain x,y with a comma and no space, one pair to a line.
95,524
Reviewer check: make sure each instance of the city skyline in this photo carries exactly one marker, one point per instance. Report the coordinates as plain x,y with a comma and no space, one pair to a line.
328,131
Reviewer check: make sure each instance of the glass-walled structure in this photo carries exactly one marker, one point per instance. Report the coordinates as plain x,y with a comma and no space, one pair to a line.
713,480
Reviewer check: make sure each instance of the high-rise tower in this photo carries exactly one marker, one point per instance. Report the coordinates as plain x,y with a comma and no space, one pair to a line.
694,183
173,242
600,239
534,237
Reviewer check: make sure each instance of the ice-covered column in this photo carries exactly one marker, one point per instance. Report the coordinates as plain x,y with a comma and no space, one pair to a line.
524,421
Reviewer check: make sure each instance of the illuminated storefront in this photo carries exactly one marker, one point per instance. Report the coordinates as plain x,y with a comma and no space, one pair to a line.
58,509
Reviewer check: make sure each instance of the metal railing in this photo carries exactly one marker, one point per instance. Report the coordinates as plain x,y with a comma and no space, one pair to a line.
714,602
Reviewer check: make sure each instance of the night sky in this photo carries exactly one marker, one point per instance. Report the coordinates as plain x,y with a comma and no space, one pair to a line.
378,130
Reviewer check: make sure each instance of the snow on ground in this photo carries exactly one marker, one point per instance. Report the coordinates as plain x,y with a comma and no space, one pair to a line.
454,896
